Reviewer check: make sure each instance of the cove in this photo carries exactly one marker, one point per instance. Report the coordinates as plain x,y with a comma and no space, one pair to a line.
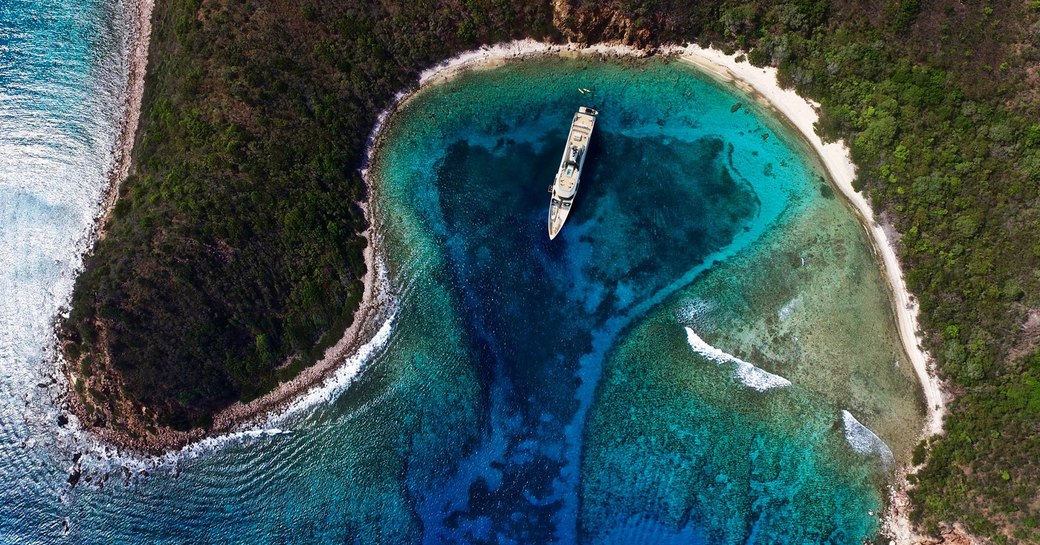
581,410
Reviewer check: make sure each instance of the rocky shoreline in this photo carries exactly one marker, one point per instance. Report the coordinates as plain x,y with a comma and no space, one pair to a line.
375,308
140,18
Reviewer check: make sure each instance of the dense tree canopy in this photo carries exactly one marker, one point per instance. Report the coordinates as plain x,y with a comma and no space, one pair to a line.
235,246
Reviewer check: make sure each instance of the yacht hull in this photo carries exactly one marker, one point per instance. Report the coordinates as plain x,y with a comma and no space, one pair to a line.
568,177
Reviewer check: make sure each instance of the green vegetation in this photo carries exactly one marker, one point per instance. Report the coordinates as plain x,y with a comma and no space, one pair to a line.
942,119
234,246
938,103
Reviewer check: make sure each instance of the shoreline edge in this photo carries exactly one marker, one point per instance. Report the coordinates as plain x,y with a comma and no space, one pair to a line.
760,83
375,311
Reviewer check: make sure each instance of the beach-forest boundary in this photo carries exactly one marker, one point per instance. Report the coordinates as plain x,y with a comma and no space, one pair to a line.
234,254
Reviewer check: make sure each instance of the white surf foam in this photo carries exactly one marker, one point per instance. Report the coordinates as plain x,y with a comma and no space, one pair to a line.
97,461
751,376
344,376
864,441
759,379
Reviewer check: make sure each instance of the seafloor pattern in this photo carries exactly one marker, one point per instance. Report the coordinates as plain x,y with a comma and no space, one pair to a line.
594,415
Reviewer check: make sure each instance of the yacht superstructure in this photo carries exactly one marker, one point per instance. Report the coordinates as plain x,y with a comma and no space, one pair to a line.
565,187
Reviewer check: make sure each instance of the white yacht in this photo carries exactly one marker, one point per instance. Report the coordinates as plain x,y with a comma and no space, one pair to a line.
565,186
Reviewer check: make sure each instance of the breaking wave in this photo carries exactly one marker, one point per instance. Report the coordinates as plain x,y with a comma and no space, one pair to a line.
344,375
864,441
751,376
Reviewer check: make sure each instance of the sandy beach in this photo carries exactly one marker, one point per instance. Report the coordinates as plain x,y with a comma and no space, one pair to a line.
801,114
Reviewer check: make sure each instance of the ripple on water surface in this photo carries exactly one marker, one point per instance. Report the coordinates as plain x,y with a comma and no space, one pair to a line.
62,71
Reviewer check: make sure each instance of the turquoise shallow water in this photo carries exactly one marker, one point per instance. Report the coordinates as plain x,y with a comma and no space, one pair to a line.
597,420
529,392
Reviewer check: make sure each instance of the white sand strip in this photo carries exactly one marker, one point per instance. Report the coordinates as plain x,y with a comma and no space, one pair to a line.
802,114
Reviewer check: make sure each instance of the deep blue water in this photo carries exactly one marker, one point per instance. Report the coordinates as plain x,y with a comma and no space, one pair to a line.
529,391
678,182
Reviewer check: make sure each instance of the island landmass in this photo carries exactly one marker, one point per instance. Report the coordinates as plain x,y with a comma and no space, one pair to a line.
234,255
